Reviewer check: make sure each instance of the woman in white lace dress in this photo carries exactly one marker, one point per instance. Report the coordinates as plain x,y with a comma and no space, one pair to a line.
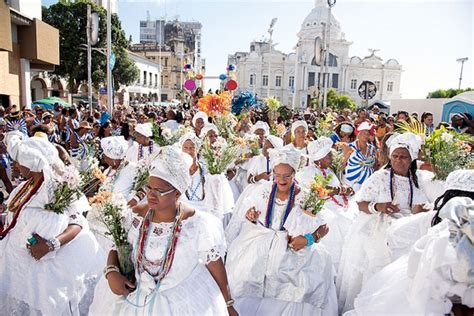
272,264
435,277
336,211
177,253
45,257
205,192
390,193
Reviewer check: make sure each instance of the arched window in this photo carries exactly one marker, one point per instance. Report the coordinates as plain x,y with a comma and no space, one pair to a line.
332,60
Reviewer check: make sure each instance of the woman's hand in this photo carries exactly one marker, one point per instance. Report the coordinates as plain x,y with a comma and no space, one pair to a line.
263,175
252,215
297,243
322,231
38,250
232,312
118,283
387,208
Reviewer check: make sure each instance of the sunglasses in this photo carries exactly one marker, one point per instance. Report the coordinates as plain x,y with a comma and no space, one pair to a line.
155,192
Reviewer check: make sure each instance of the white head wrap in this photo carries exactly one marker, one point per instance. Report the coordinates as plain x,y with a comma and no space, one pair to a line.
172,165
31,158
208,127
47,150
192,137
462,180
409,141
286,155
346,128
260,125
114,147
145,129
276,141
199,115
318,149
365,126
297,124
12,140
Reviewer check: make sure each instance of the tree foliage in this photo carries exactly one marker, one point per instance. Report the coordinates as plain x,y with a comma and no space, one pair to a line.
339,102
70,17
446,94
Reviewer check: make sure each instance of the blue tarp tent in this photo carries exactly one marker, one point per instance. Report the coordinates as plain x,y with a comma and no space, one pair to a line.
462,103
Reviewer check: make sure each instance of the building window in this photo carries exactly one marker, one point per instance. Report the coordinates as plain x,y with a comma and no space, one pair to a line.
377,85
278,81
252,79
332,60
311,79
151,83
156,80
291,81
335,81
353,84
144,77
265,80
142,24
390,86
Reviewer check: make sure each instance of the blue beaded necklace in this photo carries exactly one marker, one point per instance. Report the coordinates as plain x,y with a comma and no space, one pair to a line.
271,203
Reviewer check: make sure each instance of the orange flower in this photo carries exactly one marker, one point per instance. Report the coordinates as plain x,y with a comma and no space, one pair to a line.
213,104
100,197
99,175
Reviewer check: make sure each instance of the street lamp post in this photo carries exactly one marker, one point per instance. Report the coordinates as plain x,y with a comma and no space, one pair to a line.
462,61
110,92
270,31
331,3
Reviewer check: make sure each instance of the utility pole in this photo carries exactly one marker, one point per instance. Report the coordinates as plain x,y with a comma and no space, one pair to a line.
110,92
89,59
331,3
270,31
462,61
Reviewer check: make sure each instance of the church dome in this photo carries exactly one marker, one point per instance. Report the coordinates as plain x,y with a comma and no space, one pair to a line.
319,15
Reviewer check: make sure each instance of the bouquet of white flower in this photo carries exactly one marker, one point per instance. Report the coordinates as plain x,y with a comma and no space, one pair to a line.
219,155
66,187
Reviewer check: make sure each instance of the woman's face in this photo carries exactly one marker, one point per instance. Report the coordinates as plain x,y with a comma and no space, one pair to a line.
199,124
364,136
96,129
113,163
325,162
268,145
402,117
156,187
190,148
401,161
283,176
300,133
212,135
429,120
261,134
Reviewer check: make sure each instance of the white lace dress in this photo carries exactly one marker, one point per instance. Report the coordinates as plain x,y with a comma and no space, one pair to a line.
339,216
436,272
56,283
365,251
188,288
265,277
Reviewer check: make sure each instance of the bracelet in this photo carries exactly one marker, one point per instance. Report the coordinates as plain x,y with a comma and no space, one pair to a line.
230,303
318,237
53,244
109,269
372,208
309,239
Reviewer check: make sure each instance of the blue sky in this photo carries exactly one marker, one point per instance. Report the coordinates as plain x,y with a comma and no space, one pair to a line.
426,37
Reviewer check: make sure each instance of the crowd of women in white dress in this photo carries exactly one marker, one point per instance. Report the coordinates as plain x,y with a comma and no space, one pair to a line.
389,241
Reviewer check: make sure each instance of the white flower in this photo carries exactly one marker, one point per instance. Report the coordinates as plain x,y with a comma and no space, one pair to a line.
166,133
447,137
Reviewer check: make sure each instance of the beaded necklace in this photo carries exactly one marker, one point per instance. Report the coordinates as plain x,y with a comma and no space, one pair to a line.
392,188
168,255
17,203
194,190
140,150
345,201
271,203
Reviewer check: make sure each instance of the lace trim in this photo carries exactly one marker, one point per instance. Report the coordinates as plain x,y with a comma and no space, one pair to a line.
214,254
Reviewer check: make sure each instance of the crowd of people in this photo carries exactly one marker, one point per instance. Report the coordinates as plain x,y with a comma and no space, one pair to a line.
200,231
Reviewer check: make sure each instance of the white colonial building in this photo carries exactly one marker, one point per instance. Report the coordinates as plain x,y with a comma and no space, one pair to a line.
295,78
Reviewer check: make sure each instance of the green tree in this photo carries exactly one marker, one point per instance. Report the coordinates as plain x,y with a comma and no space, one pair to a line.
446,94
339,102
71,20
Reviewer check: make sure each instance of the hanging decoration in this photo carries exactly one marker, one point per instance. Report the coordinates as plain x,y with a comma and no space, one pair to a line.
243,101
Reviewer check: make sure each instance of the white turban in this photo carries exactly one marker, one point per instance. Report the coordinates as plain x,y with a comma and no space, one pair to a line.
114,147
365,126
199,115
145,129
276,142
462,180
47,149
192,137
286,155
172,165
297,124
260,125
409,141
208,127
31,158
12,140
318,149
346,128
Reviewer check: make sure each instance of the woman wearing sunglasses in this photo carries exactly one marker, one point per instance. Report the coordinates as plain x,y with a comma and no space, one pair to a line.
177,253
272,270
